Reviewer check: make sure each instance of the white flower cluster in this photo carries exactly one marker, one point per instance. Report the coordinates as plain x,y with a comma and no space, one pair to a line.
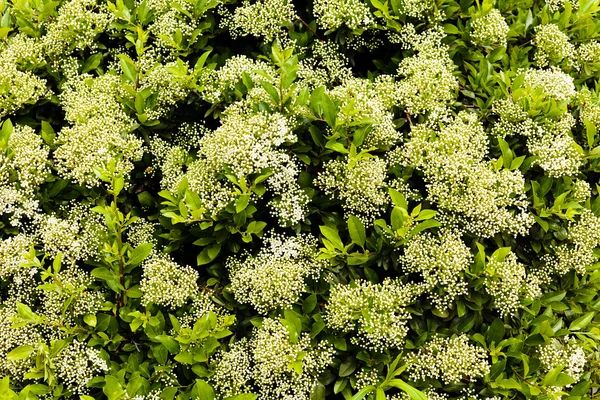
72,297
580,190
100,129
217,83
332,14
506,281
555,150
76,27
244,145
166,283
77,233
589,108
449,360
416,8
267,360
553,46
360,100
261,18
18,88
556,5
377,312
588,53
174,20
460,180
569,354
10,338
551,82
276,276
169,87
358,182
76,364
427,85
12,253
557,153
19,55
578,253
234,369
490,29
440,259
327,64
23,168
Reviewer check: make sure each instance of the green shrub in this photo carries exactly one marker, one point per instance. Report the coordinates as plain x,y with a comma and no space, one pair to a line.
287,200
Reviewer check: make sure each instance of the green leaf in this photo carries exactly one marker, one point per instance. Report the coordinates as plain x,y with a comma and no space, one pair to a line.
582,321
202,391
170,343
128,66
348,367
20,353
90,319
208,254
398,198
91,63
309,304
426,214
590,133
496,331
357,231
112,388
140,253
332,235
412,392
5,132
272,91
363,392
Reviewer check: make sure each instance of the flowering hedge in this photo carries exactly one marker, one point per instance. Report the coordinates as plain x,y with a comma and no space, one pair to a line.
277,199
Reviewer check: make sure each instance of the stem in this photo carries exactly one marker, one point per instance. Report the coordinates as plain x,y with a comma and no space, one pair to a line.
307,26
119,239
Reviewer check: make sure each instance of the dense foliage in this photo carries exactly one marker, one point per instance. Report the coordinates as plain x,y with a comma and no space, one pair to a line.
277,199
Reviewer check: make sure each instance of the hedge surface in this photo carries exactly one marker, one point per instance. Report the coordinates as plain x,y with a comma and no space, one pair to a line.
277,199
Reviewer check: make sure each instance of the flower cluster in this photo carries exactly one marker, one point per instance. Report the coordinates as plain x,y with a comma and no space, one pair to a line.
77,233
578,253
70,296
490,29
77,25
551,83
506,281
221,82
553,46
23,168
427,85
359,182
76,364
440,259
263,18
100,130
362,101
18,88
416,8
475,194
377,312
568,354
276,276
13,252
10,338
332,14
449,360
325,65
244,145
166,283
279,368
